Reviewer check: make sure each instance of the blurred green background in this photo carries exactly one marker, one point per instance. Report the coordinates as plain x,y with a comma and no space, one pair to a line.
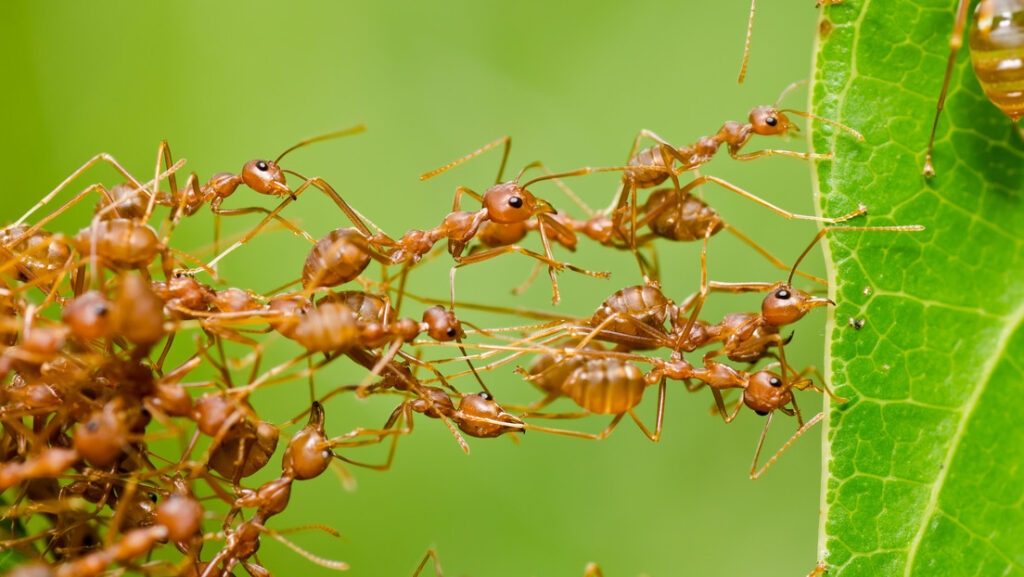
572,82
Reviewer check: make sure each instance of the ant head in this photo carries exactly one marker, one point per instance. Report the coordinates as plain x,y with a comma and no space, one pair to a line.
307,454
442,325
770,121
182,515
90,316
766,392
476,407
101,438
509,203
289,309
785,305
265,176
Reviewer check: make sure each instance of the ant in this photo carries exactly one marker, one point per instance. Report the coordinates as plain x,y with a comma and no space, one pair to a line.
608,376
997,47
652,166
505,203
478,415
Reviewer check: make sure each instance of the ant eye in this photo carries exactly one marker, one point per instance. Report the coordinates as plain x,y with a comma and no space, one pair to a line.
452,333
101,310
775,382
263,165
486,396
771,121
782,294
92,426
515,202
152,497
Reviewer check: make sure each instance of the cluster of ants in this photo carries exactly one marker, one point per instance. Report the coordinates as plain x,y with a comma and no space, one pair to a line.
88,323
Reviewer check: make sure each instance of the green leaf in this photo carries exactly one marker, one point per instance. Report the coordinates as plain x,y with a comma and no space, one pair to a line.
925,464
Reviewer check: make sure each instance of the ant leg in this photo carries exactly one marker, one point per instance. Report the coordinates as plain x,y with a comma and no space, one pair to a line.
506,140
568,191
703,179
386,465
746,46
74,200
284,222
720,409
581,435
547,253
529,280
556,265
955,42
800,431
776,151
703,285
457,200
328,563
658,419
102,156
431,554
767,255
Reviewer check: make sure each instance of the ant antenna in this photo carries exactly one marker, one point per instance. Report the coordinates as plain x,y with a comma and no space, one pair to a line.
746,47
856,134
328,563
824,231
788,89
506,140
338,134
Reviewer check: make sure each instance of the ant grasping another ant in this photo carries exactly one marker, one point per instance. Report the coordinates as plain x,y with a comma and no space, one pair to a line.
652,166
505,203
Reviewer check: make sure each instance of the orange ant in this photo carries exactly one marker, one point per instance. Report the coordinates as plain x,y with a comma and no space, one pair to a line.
997,46
652,166
505,203
478,415
608,379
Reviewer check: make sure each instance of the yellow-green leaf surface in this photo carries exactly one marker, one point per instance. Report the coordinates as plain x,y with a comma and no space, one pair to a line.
925,464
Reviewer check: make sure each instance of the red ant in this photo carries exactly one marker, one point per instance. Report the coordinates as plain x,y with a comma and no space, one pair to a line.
505,203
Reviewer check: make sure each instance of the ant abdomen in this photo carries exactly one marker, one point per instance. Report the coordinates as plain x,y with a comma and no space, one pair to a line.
996,40
687,219
606,386
643,303
243,454
326,328
122,242
336,259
